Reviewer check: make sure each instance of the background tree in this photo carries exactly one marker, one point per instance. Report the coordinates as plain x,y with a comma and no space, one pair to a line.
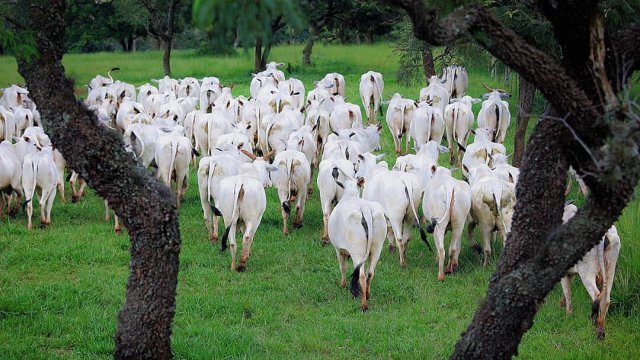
98,155
254,21
591,126
320,14
164,18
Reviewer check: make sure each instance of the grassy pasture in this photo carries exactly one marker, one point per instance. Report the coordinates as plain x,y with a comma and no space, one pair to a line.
61,288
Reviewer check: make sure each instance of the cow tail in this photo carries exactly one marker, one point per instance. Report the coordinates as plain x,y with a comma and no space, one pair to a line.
408,189
367,224
445,215
495,135
34,166
234,215
174,151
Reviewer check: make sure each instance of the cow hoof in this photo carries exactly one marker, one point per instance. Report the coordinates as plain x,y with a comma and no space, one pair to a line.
74,199
343,284
325,242
43,225
241,267
364,308
441,277
392,248
297,224
600,333
285,232
118,231
309,191
13,212
403,265
214,239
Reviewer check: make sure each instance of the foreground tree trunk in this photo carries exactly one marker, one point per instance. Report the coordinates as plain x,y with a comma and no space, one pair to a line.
540,249
98,155
428,66
526,93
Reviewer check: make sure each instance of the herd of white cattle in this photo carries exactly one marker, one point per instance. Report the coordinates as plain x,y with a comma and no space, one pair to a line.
277,139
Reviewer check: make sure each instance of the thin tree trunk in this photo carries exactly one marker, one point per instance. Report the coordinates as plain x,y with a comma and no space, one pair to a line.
130,41
265,55
308,48
428,65
98,155
525,106
166,55
257,64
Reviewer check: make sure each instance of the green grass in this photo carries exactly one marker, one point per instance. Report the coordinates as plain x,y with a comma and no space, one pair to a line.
61,288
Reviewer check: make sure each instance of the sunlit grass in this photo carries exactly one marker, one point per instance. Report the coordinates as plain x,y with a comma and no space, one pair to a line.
61,288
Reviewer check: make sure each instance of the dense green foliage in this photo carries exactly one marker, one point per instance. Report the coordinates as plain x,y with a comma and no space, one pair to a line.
61,287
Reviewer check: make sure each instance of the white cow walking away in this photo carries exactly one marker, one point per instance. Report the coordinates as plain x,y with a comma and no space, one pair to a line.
39,170
292,180
371,88
399,114
446,205
598,264
495,114
357,229
426,124
459,119
172,155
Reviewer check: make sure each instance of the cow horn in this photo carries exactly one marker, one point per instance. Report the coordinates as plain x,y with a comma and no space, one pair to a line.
248,154
487,87
268,155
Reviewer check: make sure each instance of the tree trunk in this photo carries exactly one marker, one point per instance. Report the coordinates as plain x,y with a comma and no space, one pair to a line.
130,41
308,48
98,155
257,64
526,92
123,44
428,65
265,55
166,55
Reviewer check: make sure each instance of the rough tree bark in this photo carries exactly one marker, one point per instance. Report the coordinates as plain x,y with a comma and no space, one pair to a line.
166,55
526,93
263,49
98,155
257,56
540,249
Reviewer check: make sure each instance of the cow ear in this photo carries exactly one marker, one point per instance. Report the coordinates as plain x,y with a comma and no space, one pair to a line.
314,127
466,169
433,169
475,101
360,156
361,181
352,134
443,149
380,157
175,117
271,168
473,131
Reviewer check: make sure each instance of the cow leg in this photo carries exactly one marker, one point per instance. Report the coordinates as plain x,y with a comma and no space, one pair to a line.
49,205
107,212
43,207
611,252
61,190
362,280
487,235
438,236
246,252
29,214
325,228
472,241
116,226
393,244
374,256
233,247
565,300
454,247
301,200
285,220
342,263
214,236
396,143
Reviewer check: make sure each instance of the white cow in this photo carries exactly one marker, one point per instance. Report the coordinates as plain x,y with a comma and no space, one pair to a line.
141,140
167,84
295,88
7,124
371,88
189,87
209,93
426,124
481,151
435,94
42,139
127,111
357,229
446,205
292,180
459,119
274,132
211,170
172,155
10,174
101,81
397,192
368,137
492,204
22,118
240,197
39,170
144,92
337,80
456,80
598,264
332,175
503,170
344,115
399,115
495,114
